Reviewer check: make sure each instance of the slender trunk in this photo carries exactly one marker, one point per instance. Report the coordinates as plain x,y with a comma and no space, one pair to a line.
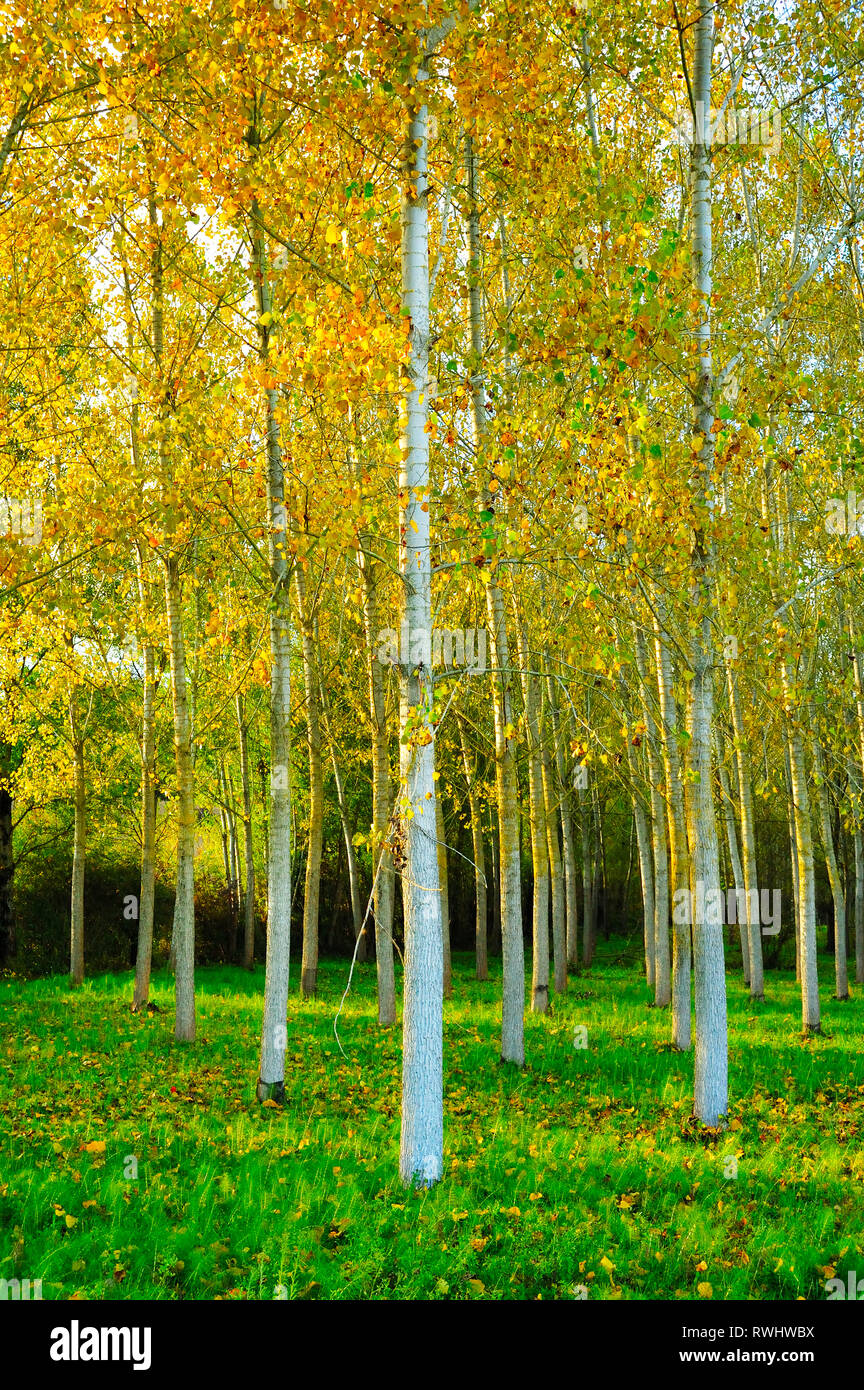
679,873
249,896
312,894
710,1086
350,852
659,846
556,876
422,1141
804,857
76,970
495,944
224,832
234,857
274,1037
146,905
7,868
858,686
748,836
184,907
509,877
728,809
841,978
537,823
441,848
183,929
478,852
588,924
568,838
859,905
793,855
646,868
382,857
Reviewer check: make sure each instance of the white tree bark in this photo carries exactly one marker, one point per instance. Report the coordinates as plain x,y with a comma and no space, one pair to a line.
249,896
422,1141
710,1085
271,1074
144,954
79,851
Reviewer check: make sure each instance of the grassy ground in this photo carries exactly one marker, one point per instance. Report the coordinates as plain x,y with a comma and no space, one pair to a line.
584,1169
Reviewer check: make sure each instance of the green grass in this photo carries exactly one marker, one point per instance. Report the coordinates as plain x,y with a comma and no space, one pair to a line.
583,1169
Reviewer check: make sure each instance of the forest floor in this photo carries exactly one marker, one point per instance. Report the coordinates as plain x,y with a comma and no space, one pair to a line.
582,1170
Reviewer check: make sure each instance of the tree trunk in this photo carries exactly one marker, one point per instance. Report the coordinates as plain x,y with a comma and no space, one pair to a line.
710,1086
478,852
76,969
728,810
274,1036
841,978
793,856
537,822
421,1155
350,852
588,923
441,850
748,836
146,905
568,839
646,868
509,877
859,905
312,894
7,873
234,858
659,847
184,907
382,857
679,872
556,870
249,896
804,856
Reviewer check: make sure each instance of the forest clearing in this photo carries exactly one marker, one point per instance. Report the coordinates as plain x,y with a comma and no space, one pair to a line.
431,651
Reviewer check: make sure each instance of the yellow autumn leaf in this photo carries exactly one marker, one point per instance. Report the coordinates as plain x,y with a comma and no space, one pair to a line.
333,234
96,1146
704,1290
477,1285
71,1220
607,1264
